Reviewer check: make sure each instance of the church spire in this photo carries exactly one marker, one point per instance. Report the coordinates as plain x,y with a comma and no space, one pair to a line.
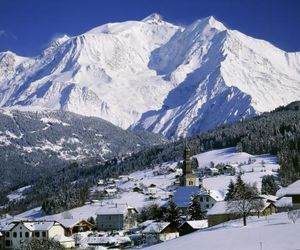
187,178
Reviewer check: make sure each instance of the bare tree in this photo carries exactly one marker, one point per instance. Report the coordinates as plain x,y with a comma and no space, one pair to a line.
294,215
244,200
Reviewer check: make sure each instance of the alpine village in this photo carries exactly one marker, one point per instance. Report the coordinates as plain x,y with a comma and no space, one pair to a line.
151,135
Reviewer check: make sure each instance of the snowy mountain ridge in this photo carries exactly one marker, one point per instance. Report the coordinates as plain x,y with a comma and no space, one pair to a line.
156,76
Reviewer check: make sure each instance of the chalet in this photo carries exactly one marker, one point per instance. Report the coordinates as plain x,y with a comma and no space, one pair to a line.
19,232
192,226
160,231
118,217
292,191
73,226
110,192
267,209
212,171
219,214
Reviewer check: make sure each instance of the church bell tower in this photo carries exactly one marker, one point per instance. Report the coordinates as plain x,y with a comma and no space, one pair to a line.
187,178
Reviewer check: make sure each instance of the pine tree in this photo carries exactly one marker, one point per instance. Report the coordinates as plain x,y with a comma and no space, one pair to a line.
172,213
230,191
194,209
268,185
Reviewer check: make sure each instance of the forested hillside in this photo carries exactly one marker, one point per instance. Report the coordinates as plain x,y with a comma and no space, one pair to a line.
277,132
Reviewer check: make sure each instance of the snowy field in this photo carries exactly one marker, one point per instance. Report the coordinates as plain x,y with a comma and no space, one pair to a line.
275,232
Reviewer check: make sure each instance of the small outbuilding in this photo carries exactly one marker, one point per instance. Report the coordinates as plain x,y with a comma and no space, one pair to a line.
292,191
192,226
160,231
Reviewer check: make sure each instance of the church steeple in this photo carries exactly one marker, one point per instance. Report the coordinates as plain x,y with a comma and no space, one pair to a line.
187,178
187,165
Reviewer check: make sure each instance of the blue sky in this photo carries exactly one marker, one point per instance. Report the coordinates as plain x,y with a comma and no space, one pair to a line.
27,26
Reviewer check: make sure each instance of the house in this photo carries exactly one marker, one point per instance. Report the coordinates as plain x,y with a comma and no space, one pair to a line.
182,197
73,226
18,232
212,171
110,192
267,209
117,217
192,226
284,204
160,231
219,214
208,198
292,191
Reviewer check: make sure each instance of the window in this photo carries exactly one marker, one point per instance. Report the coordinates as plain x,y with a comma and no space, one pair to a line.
15,234
207,199
201,199
26,234
109,217
7,243
207,205
37,234
21,235
7,234
44,234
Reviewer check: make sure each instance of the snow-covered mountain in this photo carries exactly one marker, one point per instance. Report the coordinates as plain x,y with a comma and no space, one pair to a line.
156,76
43,142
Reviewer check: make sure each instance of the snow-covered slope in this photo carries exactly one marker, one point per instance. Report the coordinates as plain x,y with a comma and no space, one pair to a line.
274,232
154,75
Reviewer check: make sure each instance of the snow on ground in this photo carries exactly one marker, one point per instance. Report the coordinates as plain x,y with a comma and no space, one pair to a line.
162,182
254,167
274,232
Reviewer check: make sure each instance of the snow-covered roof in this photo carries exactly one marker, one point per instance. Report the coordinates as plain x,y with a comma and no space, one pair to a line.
220,207
197,224
182,195
269,197
31,225
9,226
145,223
67,223
293,189
116,209
215,194
156,227
284,202
62,238
38,226
107,240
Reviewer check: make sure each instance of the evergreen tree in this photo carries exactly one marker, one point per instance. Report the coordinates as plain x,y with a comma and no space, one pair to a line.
172,213
230,191
150,212
269,186
194,209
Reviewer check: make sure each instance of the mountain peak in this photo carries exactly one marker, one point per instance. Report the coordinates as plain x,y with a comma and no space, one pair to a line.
153,18
213,22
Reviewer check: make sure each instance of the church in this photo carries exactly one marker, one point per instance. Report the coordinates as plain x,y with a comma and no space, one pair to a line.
188,178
